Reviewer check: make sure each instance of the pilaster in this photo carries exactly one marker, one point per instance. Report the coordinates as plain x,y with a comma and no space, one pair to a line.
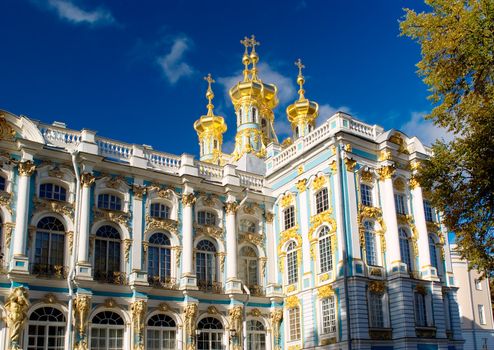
138,276
83,266
233,284
188,279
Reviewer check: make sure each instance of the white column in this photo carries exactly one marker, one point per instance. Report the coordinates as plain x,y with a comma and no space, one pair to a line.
304,230
339,214
426,269
83,265
188,280
137,275
393,255
20,260
353,210
232,282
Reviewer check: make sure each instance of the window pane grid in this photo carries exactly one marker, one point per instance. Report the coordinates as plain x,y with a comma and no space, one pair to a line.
289,217
400,203
370,244
294,323
322,201
325,254
328,315
366,195
420,310
376,310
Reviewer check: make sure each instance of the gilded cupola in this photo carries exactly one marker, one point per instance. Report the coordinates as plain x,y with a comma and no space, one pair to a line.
210,129
302,113
254,101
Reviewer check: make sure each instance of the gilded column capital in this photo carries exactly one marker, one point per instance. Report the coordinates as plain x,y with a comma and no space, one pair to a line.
301,185
139,191
231,207
269,216
386,172
350,164
413,183
87,179
26,168
333,166
188,200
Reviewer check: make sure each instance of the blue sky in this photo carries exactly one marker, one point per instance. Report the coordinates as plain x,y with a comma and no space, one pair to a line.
133,70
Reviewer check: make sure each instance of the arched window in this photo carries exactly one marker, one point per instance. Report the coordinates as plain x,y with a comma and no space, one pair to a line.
294,323
256,335
325,250
210,334
248,267
161,333
49,247
328,313
107,331
206,265
428,211
322,200
289,217
405,248
433,251
376,318
109,202
248,226
254,115
2,183
370,243
292,263
53,192
366,195
107,253
400,203
206,218
160,211
46,329
159,258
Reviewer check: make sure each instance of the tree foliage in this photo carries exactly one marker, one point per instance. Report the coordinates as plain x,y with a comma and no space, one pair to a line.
457,46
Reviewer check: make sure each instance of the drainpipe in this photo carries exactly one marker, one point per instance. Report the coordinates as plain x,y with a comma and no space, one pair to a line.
244,323
71,274
341,218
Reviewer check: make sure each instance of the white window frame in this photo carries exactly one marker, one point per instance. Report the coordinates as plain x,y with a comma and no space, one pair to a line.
294,324
332,315
288,217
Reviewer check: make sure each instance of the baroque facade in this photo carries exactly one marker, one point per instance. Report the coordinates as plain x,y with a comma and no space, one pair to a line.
325,240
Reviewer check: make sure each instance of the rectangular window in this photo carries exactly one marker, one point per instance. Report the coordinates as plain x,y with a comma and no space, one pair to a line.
400,204
428,211
420,310
328,312
294,323
366,195
481,314
206,218
288,218
376,310
478,284
322,201
292,267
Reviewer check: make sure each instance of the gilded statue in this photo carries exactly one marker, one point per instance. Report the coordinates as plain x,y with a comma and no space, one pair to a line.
81,311
190,315
138,309
16,306
276,317
81,345
236,318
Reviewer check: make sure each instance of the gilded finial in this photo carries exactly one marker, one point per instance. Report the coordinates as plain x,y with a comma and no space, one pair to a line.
209,94
254,57
300,79
245,57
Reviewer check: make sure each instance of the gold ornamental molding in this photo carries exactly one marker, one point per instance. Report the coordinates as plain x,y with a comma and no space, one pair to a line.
286,235
59,207
377,287
292,302
221,256
399,184
7,133
333,166
384,155
276,318
256,238
6,201
318,183
8,229
367,212
420,289
188,200
231,207
116,216
139,191
316,222
367,176
138,311
350,164
16,308
153,223
287,200
209,230
386,172
87,179
269,216
325,291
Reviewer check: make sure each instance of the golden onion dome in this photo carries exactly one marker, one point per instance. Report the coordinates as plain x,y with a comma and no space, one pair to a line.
210,123
302,111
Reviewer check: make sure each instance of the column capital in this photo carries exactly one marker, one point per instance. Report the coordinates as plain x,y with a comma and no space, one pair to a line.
231,207
414,183
269,216
350,164
139,191
188,199
386,172
87,179
26,168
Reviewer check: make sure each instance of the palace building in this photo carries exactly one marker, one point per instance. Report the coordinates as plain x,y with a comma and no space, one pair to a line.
323,241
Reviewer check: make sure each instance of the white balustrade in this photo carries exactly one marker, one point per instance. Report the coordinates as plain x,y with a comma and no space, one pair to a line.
210,171
251,181
163,161
60,137
114,149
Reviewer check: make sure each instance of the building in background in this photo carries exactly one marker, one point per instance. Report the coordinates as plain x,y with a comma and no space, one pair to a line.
323,241
475,304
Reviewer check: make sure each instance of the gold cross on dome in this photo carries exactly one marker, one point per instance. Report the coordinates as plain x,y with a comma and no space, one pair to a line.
253,42
245,42
300,66
209,79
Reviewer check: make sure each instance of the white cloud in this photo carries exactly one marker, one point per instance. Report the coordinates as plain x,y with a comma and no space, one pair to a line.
69,11
173,65
424,129
286,85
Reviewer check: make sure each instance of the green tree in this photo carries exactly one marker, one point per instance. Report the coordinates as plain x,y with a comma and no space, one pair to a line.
457,45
